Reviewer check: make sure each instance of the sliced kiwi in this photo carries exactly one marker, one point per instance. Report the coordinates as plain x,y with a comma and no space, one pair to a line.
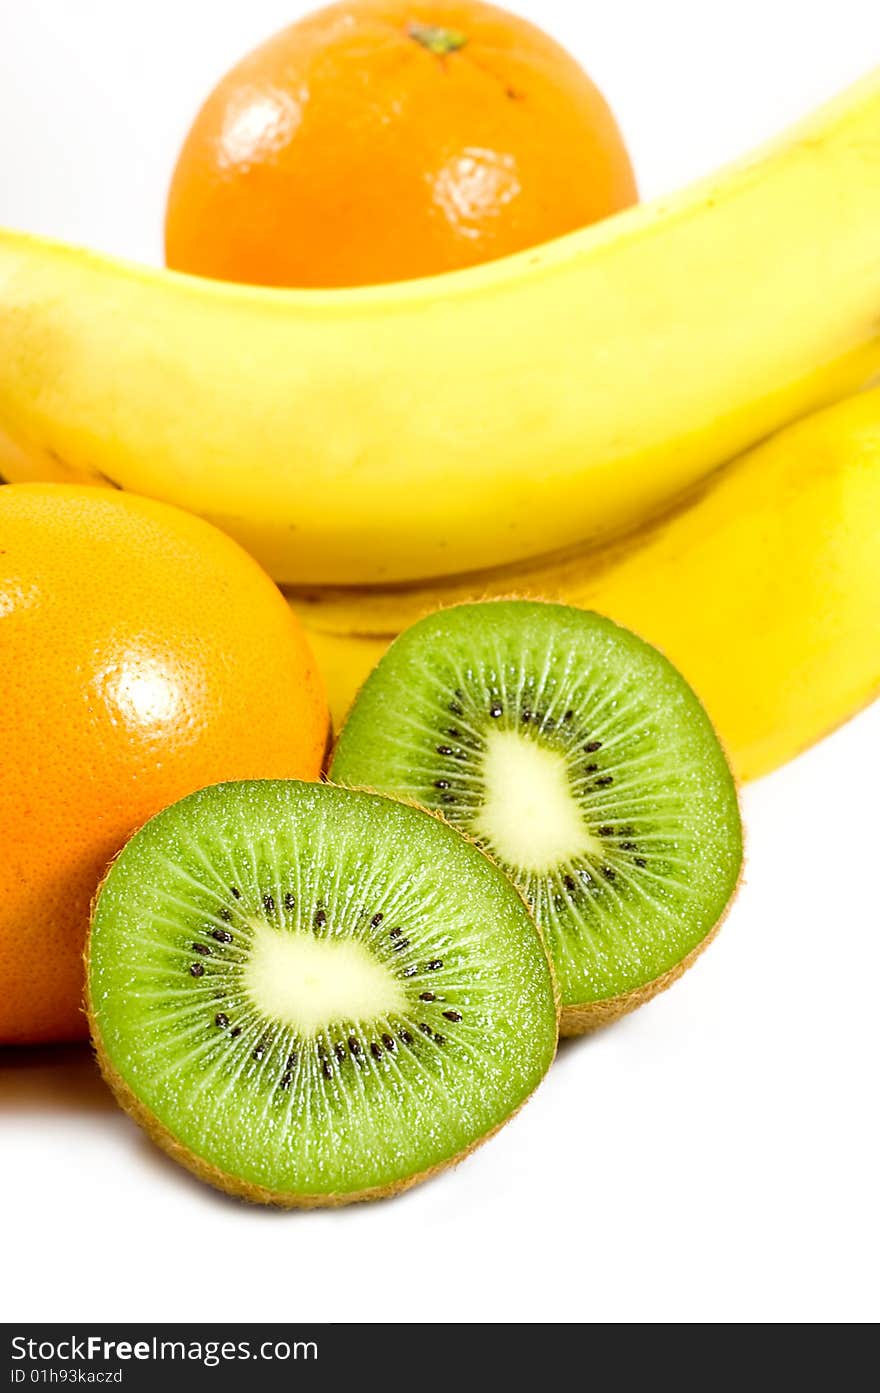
309,996
580,759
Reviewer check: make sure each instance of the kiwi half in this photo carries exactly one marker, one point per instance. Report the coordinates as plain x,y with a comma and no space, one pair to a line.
579,758
309,996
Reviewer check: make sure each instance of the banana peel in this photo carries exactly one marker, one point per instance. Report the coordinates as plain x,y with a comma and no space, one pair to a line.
764,590
387,433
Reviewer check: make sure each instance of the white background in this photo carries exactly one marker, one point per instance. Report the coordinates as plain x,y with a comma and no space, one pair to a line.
713,1158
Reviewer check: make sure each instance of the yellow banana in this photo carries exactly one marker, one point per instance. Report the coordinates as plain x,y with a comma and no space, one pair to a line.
466,420
764,590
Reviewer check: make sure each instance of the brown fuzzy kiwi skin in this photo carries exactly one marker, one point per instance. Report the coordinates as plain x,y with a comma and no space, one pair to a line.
593,1015
243,1189
259,1194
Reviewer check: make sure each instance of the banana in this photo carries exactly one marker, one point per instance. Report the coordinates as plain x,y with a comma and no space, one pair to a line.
764,590
467,420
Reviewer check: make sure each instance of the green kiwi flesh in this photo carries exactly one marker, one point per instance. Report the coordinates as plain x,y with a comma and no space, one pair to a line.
578,757
309,995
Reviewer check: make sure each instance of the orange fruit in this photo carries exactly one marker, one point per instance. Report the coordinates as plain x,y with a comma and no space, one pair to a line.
385,139
144,655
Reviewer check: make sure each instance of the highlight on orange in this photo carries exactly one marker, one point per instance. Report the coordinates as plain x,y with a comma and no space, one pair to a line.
381,140
144,655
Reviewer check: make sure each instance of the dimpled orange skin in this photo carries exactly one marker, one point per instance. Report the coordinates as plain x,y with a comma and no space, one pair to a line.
144,655
347,150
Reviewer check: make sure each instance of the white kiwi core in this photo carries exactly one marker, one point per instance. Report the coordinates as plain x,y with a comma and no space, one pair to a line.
530,815
308,982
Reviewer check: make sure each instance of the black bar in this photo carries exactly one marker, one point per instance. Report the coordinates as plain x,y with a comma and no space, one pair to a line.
151,1356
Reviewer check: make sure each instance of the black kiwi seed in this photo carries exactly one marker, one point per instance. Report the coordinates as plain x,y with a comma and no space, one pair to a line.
434,965
425,1028
592,746
388,1042
269,904
259,1050
327,1069
289,901
427,996
375,1050
590,768
286,1079
292,1060
202,948
354,1045
225,914
455,708
452,1015
221,1019
569,716
197,970
606,831
439,1039
455,734
629,846
609,872
409,971
570,883
405,1036
235,892
395,933
444,749
400,944
235,1032
320,918
604,781
339,1051
639,861
496,710
525,715
441,783
377,920
222,935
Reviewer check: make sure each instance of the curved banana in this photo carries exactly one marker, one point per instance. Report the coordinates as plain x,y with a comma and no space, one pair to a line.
764,590
466,420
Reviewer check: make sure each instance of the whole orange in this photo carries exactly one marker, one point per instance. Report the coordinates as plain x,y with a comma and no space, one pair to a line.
384,139
144,655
